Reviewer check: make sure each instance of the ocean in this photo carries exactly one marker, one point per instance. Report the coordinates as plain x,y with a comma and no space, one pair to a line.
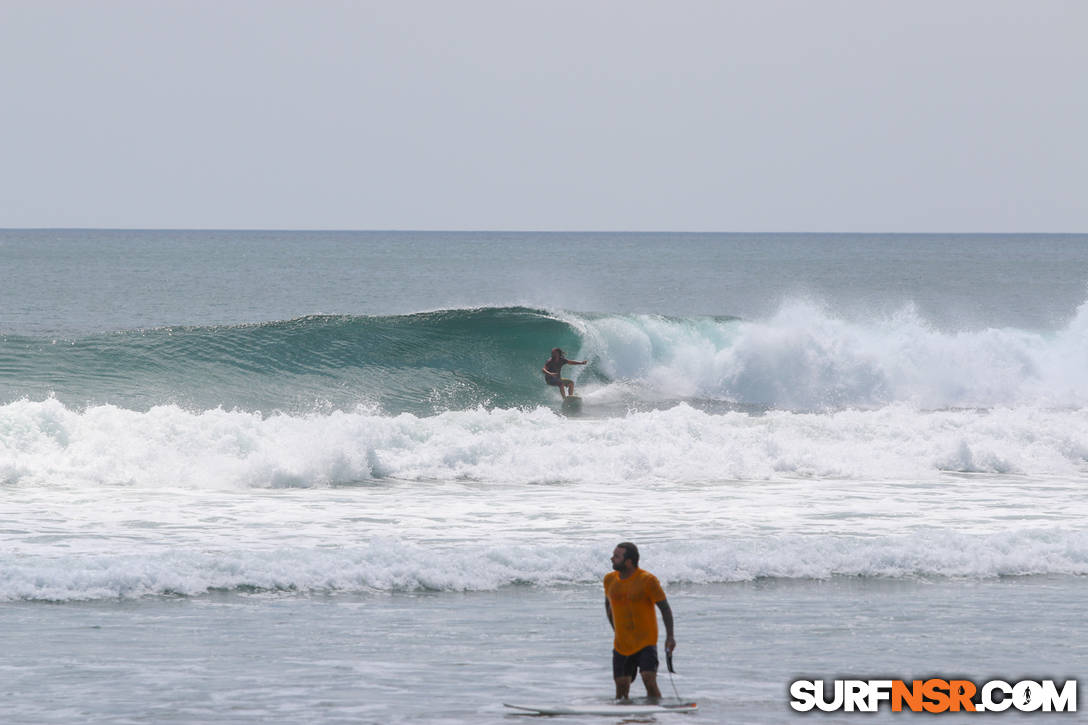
268,476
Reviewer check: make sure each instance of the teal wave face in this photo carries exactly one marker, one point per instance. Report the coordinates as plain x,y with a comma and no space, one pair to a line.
420,363
802,359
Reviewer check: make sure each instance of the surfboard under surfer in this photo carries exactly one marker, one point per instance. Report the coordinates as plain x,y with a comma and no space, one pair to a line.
552,372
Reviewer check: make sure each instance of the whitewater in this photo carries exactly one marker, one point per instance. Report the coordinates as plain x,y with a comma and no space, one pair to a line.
251,496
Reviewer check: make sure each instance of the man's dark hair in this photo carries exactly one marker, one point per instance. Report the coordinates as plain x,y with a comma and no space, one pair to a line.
631,550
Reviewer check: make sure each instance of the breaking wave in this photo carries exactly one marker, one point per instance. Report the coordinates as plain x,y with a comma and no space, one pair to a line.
801,359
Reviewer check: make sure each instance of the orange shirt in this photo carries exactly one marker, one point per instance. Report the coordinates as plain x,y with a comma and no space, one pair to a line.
633,614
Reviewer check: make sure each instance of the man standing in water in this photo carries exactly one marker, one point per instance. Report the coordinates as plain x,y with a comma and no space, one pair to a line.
552,370
630,596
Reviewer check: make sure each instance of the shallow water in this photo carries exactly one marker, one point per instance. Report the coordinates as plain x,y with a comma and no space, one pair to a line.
446,657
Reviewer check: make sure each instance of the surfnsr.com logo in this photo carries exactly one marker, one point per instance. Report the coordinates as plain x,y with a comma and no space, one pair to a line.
933,695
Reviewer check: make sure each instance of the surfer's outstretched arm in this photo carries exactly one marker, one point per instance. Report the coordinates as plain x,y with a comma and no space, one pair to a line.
570,383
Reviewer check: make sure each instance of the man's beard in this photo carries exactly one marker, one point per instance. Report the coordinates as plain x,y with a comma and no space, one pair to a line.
621,566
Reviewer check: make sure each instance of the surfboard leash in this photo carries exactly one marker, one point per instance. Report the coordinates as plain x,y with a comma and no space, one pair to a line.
668,663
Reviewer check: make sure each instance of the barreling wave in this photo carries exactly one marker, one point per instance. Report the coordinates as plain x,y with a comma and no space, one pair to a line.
801,359
389,564
420,363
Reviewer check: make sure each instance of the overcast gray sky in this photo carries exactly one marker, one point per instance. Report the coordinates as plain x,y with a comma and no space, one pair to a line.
759,115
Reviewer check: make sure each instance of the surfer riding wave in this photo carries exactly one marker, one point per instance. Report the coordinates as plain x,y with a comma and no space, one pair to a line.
552,372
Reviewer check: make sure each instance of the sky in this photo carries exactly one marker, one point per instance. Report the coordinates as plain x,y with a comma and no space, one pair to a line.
753,116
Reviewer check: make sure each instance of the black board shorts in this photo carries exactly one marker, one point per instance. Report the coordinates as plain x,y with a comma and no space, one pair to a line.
627,665
553,380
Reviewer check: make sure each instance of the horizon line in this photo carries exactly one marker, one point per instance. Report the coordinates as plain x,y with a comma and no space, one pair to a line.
513,231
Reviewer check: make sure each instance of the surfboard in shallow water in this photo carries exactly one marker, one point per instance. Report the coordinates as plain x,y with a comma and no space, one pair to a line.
603,709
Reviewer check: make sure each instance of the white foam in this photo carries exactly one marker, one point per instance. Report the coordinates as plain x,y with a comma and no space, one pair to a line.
43,442
804,358
390,564
107,502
